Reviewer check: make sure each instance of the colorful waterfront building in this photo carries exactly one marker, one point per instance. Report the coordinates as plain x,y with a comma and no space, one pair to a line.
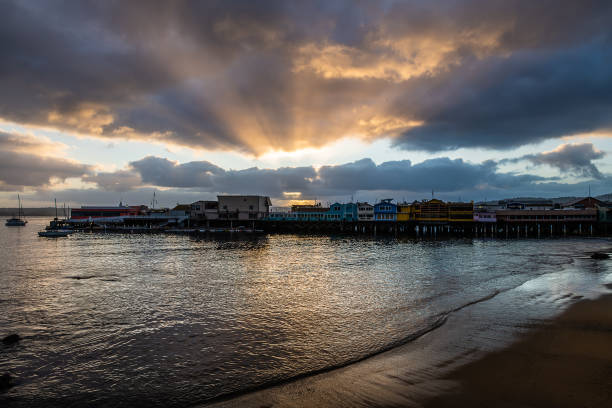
281,214
460,212
385,210
482,215
433,210
92,212
365,212
314,212
404,212
342,212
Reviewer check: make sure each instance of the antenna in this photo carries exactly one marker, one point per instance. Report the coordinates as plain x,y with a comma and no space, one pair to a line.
432,194
589,191
154,201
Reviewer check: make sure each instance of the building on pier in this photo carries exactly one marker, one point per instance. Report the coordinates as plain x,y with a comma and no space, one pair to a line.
527,204
281,214
93,212
342,212
548,216
181,210
365,212
385,210
460,212
430,211
205,210
314,212
485,216
404,212
243,207
604,213
587,202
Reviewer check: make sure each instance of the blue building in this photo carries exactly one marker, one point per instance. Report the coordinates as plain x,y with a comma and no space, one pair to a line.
385,210
342,212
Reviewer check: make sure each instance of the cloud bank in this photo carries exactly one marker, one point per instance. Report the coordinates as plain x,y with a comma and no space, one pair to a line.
445,176
254,76
22,165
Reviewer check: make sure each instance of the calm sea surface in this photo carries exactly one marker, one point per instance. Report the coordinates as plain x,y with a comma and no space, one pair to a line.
156,320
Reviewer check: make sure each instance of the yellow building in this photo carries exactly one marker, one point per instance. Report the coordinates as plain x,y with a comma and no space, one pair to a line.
461,212
430,211
404,212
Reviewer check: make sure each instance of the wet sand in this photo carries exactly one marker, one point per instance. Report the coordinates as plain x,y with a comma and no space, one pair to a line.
564,362
567,363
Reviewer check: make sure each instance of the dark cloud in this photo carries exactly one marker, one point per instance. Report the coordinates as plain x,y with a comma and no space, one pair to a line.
576,158
19,170
253,76
442,175
23,163
505,102
118,181
165,173
363,179
95,196
205,176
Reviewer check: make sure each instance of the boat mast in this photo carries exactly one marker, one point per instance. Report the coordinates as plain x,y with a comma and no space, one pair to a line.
56,209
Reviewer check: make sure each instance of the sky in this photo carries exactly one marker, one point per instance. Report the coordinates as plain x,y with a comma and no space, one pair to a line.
108,102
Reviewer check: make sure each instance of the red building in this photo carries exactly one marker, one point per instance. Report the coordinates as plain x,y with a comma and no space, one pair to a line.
104,212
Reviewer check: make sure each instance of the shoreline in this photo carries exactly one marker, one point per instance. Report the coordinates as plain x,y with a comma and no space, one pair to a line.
566,363
447,368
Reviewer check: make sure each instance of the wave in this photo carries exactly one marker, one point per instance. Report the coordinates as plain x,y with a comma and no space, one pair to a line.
439,321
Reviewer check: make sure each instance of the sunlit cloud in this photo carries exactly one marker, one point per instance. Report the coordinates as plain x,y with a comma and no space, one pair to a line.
247,78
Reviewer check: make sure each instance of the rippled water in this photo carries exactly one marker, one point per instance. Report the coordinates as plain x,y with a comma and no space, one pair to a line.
158,320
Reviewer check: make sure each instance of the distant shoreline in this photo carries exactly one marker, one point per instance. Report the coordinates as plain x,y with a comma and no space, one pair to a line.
32,212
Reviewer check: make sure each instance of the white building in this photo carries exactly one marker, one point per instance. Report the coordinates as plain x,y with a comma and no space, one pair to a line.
208,210
244,207
365,212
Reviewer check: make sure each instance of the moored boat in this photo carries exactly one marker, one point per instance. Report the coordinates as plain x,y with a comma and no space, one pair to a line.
53,233
17,221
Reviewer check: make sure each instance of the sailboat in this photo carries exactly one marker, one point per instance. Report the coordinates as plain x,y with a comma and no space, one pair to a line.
54,232
17,222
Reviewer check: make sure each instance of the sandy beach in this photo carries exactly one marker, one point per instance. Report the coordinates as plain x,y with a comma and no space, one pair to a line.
565,364
562,362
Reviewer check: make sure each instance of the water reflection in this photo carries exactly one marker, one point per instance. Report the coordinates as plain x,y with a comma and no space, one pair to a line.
172,320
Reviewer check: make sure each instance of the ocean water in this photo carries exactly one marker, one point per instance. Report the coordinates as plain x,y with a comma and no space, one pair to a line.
165,320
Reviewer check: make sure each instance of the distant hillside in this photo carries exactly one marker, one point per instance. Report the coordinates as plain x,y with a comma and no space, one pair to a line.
556,200
605,197
48,211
